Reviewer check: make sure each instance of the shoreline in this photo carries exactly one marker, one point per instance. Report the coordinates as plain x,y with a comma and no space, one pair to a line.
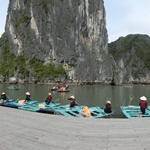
78,84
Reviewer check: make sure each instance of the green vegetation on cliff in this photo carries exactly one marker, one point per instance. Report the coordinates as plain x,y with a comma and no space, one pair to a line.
9,64
46,71
131,46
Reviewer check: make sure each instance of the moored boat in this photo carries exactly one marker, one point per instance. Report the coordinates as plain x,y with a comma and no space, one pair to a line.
16,103
54,89
65,90
12,87
50,108
41,107
133,111
76,111
33,107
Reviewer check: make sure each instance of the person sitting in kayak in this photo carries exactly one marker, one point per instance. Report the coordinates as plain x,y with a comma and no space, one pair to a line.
62,89
85,112
55,88
66,87
107,107
48,99
3,96
143,104
27,97
72,101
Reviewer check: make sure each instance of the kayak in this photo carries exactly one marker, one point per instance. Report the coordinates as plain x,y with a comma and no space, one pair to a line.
41,107
134,111
63,90
96,112
32,107
12,88
50,108
16,103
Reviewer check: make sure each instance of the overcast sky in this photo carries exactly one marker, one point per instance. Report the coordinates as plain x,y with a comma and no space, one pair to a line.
127,17
123,17
3,14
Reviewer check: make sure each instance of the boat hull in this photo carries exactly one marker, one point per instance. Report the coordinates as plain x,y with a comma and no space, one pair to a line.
63,90
41,107
96,112
15,104
13,88
134,112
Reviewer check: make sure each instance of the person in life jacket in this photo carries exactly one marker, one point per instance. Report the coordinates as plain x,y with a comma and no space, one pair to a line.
48,99
143,104
3,96
27,97
72,101
85,112
107,107
62,88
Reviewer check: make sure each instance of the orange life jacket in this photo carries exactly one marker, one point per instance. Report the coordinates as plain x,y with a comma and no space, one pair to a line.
86,112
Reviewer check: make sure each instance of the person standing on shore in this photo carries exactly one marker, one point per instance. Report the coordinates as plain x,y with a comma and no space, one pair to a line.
143,104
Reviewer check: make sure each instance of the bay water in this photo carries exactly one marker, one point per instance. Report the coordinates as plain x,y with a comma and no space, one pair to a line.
89,95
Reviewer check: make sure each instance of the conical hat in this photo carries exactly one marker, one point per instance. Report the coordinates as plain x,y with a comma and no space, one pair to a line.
143,98
27,93
108,102
72,97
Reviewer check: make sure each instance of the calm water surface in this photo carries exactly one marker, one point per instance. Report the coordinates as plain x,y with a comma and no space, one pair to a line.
94,95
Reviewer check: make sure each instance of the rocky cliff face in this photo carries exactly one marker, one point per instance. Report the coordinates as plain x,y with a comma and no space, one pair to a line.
68,32
132,59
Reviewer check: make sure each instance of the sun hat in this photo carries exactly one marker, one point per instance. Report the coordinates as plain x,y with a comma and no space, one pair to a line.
49,94
108,102
27,93
143,98
72,97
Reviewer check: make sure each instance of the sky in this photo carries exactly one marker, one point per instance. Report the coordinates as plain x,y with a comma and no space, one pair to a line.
123,17
3,14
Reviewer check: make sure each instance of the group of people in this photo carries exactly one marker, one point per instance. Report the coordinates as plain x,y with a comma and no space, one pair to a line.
73,102
28,98
107,107
61,88
47,101
72,99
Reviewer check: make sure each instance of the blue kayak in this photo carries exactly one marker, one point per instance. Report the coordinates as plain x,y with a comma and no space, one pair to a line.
76,111
40,107
12,88
50,108
15,104
134,111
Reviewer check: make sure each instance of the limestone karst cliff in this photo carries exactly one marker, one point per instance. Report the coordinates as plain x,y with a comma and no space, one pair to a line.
68,32
132,59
